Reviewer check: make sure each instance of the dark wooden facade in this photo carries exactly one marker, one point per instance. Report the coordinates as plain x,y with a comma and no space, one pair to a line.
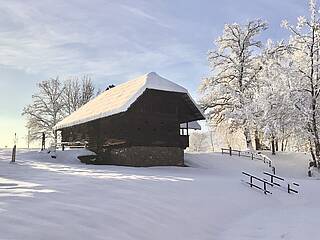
153,121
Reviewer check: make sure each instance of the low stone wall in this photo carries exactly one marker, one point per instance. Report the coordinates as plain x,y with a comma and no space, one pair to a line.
140,156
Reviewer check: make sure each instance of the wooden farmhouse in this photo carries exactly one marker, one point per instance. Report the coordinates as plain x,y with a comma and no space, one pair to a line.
143,122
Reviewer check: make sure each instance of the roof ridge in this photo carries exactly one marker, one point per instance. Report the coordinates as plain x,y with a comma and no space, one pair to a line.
119,99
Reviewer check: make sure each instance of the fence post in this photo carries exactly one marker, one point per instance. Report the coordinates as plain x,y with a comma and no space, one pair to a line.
230,151
43,141
251,156
239,153
62,147
288,188
274,170
250,181
14,151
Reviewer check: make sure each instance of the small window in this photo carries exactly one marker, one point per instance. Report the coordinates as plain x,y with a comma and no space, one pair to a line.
183,132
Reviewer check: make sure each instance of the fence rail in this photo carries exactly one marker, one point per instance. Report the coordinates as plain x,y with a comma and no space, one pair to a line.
251,183
288,185
62,145
249,154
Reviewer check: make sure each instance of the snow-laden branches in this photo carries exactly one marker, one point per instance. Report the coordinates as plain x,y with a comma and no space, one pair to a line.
77,92
305,69
46,108
270,89
54,100
227,94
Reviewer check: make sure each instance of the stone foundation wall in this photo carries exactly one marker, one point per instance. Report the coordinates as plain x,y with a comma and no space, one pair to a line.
140,156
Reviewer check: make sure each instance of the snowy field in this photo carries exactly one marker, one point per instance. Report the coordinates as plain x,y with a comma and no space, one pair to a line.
45,198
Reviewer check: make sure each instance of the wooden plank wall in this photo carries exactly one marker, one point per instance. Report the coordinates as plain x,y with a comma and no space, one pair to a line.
153,120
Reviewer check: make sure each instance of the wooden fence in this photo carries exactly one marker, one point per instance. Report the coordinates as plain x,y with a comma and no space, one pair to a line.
288,186
272,183
252,184
63,145
233,152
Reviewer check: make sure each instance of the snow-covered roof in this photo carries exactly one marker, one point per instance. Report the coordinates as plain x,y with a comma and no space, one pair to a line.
119,99
191,125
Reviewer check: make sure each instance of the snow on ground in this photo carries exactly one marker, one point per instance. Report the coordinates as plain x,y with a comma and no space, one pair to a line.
291,164
46,198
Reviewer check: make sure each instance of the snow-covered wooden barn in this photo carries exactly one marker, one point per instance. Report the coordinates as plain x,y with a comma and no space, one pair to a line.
143,122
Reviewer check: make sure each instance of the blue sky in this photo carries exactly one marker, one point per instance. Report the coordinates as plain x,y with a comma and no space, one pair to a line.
113,41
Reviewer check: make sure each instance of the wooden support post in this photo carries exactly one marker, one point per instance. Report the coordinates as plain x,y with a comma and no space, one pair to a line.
251,156
250,181
62,147
14,152
288,187
265,187
230,151
187,129
274,170
43,142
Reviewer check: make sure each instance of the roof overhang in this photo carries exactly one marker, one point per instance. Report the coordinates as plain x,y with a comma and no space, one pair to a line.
121,97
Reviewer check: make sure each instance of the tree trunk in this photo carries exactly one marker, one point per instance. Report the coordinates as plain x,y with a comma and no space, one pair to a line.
314,159
248,138
55,139
273,148
313,94
316,152
285,146
257,140
282,145
211,140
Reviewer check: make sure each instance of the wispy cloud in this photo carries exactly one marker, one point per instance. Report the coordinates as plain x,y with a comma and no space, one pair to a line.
145,15
45,39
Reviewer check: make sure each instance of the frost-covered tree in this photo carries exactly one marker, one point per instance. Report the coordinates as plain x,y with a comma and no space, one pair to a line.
227,94
55,100
46,109
87,89
198,141
273,96
77,92
71,96
305,60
